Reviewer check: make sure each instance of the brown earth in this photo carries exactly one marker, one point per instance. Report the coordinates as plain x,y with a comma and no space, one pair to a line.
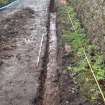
20,38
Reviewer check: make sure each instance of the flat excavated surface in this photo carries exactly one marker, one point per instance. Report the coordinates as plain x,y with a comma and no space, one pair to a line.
20,38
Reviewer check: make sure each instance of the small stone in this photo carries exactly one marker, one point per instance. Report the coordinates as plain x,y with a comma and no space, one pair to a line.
67,102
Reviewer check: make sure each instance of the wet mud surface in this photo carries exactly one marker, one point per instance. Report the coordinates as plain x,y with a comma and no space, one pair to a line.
20,37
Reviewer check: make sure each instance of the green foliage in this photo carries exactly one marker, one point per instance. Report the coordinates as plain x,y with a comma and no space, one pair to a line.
78,40
3,2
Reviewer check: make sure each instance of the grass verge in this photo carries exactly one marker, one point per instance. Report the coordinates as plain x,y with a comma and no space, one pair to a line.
78,40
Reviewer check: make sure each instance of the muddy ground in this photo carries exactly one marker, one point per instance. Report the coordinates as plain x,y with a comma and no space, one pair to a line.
20,38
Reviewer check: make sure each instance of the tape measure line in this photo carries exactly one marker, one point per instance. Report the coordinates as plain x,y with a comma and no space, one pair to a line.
90,66
40,50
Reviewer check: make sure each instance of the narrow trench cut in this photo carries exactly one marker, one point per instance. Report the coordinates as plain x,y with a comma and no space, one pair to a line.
49,89
51,94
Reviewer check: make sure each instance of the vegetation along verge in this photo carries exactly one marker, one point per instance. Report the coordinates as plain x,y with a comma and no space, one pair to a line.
75,36
5,2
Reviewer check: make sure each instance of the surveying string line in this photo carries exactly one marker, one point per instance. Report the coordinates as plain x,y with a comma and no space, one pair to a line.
90,66
71,22
86,57
40,50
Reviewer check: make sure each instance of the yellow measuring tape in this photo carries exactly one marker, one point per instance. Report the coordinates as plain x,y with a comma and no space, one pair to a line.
90,66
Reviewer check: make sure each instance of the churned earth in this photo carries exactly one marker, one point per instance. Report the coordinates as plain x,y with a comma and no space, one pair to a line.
21,32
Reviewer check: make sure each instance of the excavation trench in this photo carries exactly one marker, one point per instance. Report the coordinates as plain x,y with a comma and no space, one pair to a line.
51,94
49,82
